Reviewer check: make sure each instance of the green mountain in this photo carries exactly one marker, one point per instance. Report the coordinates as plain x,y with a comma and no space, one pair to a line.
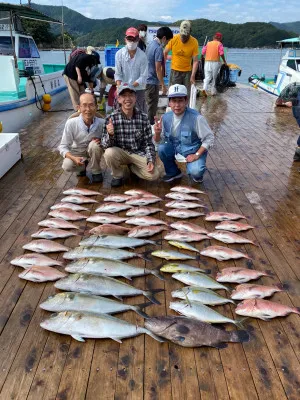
288,26
98,32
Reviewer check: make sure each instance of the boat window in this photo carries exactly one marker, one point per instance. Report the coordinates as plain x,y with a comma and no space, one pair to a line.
33,49
291,64
6,47
24,48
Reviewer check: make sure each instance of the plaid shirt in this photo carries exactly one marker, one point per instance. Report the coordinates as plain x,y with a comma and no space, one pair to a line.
133,135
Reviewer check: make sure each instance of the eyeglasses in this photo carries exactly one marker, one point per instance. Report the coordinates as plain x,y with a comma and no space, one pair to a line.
132,39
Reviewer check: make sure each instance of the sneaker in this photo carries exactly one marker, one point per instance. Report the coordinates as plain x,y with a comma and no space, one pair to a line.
97,178
297,154
199,180
170,178
81,173
116,182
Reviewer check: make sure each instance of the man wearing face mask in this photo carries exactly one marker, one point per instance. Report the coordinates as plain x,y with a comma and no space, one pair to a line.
132,67
184,52
142,35
155,78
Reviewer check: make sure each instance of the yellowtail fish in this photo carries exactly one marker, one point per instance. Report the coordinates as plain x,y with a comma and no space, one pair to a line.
203,295
183,245
199,280
176,267
172,255
114,242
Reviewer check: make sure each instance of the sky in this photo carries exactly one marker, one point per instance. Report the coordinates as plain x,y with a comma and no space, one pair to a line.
233,11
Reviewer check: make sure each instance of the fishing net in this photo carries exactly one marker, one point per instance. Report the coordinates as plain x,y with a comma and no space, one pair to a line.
289,93
222,82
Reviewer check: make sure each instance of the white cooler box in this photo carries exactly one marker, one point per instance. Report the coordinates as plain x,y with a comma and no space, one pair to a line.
10,151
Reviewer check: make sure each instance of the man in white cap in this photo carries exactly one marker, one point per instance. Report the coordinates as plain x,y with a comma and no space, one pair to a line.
185,52
127,139
183,134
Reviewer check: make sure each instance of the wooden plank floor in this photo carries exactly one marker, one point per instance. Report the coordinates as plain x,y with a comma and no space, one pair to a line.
250,171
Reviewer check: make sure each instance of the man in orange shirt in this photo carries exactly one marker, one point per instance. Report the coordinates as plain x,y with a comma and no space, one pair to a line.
184,62
212,52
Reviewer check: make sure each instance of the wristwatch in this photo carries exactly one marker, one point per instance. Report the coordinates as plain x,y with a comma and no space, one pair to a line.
197,154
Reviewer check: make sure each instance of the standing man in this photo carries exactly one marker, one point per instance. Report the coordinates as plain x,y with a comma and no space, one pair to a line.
132,67
127,139
295,103
212,52
182,133
81,140
156,64
142,28
184,53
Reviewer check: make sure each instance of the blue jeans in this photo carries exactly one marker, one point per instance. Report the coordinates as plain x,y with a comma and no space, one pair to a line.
298,142
196,169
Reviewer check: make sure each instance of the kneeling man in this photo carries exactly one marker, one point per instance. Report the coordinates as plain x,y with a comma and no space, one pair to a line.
182,132
127,139
81,140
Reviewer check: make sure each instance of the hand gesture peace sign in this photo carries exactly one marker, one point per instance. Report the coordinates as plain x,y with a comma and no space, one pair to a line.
157,125
110,127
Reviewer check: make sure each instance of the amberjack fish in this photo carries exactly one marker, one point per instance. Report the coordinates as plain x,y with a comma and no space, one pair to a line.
203,295
198,279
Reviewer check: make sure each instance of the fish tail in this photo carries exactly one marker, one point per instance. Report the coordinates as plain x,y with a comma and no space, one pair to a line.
150,295
158,242
270,273
281,287
206,271
156,273
240,322
139,309
297,310
144,255
158,338
239,336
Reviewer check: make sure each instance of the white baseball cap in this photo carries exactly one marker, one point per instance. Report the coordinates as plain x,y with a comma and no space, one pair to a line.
177,91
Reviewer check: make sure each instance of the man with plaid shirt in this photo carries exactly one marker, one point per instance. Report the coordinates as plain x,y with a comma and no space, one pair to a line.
127,139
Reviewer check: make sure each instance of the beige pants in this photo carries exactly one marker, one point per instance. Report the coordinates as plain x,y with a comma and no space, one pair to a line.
116,157
94,153
75,90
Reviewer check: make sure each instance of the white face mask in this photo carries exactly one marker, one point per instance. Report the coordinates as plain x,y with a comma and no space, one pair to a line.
142,34
131,45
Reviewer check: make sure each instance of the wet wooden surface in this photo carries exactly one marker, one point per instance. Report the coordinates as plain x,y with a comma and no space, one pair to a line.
250,171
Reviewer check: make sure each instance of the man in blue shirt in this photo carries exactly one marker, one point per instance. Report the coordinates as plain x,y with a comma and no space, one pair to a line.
156,64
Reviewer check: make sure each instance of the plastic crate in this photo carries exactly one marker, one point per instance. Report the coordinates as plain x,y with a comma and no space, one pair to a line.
110,54
10,151
233,75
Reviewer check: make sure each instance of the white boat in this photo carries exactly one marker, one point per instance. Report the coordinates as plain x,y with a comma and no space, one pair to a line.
289,70
24,79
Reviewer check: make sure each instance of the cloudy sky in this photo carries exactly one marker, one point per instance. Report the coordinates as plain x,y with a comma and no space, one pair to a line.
234,11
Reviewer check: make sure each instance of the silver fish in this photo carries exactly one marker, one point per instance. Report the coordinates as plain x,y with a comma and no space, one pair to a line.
105,219
113,268
223,216
186,189
183,205
57,223
78,199
180,213
103,286
80,302
140,192
30,259
221,253
142,211
114,242
45,246
233,226
71,206
199,280
117,198
203,295
184,236
145,221
201,312
81,192
52,233
172,255
67,214
229,237
100,252
100,326
112,207
188,227
142,201
183,245
181,196
36,273
146,231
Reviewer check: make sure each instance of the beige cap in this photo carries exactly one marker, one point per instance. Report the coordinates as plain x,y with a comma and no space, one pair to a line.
185,28
90,49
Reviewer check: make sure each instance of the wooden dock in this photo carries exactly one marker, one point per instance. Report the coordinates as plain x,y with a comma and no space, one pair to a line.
250,172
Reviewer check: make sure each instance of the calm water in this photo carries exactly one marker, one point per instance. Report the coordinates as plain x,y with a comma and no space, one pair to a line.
251,61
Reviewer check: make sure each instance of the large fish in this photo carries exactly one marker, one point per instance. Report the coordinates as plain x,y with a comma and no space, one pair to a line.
101,266
57,223
142,201
101,326
221,253
183,204
240,275
203,295
67,214
101,252
140,192
172,255
112,207
189,332
183,245
186,189
180,213
233,226
229,237
81,192
109,229
142,211
45,246
199,280
70,301
184,236
103,286
176,267
71,206
117,198
114,242
145,221
78,199
188,227
105,219
146,231
264,309
181,196
52,233
36,273
254,291
30,259
223,216
197,310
